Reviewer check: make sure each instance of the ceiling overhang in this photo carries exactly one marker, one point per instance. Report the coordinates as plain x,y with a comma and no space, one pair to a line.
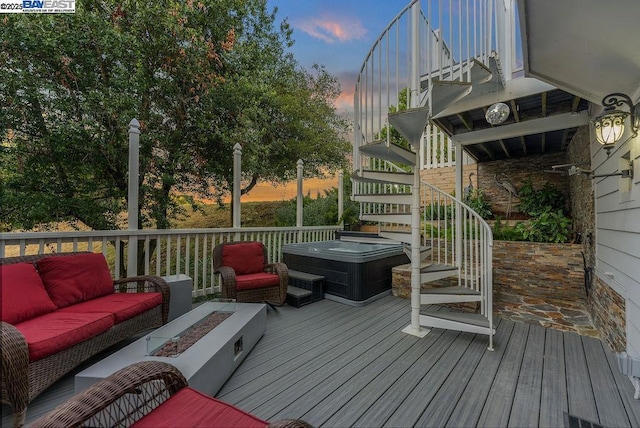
586,47
543,119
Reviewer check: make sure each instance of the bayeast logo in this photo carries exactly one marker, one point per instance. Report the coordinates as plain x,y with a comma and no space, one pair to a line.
49,6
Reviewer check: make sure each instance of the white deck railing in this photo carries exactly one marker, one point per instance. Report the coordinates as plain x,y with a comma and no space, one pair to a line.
165,252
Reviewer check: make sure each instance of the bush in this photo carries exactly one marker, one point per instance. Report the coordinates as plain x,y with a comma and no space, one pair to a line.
534,202
321,211
506,233
479,204
548,226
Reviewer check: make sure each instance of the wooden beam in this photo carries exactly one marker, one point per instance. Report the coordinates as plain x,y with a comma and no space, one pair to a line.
466,120
524,144
504,147
514,109
485,149
563,142
528,127
543,98
574,105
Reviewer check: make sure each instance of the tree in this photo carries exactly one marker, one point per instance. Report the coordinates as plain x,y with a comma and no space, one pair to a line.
199,76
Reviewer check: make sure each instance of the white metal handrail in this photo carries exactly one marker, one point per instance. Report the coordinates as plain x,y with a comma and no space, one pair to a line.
186,251
450,33
446,218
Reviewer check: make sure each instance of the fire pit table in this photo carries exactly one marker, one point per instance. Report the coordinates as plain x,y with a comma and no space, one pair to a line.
228,332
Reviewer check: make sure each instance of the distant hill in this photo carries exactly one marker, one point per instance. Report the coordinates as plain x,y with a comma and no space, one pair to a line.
252,214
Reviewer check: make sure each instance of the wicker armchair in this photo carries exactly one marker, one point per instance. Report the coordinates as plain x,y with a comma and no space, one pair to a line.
133,392
23,380
246,276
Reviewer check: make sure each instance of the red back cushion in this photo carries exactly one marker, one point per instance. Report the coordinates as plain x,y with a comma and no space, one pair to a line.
244,258
23,294
77,278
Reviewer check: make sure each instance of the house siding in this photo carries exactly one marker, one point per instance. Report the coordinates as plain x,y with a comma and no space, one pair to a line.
618,233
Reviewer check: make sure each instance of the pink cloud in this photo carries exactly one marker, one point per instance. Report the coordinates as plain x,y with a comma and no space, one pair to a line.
332,30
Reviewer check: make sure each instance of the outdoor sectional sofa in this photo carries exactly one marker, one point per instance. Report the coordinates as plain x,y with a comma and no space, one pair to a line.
60,309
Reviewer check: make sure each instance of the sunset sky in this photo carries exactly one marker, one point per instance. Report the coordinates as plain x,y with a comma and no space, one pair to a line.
337,34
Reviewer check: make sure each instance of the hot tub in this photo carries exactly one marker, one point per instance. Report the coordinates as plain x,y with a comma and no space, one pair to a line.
355,273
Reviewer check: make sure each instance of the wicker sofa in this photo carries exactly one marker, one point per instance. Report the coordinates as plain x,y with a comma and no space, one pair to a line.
60,309
151,394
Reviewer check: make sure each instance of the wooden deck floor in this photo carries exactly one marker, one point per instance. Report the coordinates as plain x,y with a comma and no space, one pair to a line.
334,365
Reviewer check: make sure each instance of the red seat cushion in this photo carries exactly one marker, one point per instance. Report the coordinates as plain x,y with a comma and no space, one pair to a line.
122,305
53,332
23,294
77,278
190,408
244,258
257,280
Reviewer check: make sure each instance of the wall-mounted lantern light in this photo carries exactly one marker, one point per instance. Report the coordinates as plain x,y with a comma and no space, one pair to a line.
609,125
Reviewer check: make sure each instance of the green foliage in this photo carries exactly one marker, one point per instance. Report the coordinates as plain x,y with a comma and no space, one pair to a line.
503,232
323,210
479,204
546,207
533,202
548,226
199,76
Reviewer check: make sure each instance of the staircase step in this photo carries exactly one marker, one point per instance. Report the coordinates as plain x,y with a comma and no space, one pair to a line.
411,123
455,294
385,198
397,235
460,321
437,271
390,152
480,73
400,218
383,177
424,251
446,92
494,83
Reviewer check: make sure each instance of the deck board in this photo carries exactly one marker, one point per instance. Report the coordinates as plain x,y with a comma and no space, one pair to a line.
336,365
608,401
579,389
444,402
372,394
553,401
525,410
497,408
468,410
410,410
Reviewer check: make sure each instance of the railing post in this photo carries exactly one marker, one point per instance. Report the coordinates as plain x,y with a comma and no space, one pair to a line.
300,197
237,173
459,195
340,198
415,56
132,201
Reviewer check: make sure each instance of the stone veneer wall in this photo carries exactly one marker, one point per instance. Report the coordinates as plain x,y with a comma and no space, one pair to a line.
607,309
550,272
541,272
518,170
606,306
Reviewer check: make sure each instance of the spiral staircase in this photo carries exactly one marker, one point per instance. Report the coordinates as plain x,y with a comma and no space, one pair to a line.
410,76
